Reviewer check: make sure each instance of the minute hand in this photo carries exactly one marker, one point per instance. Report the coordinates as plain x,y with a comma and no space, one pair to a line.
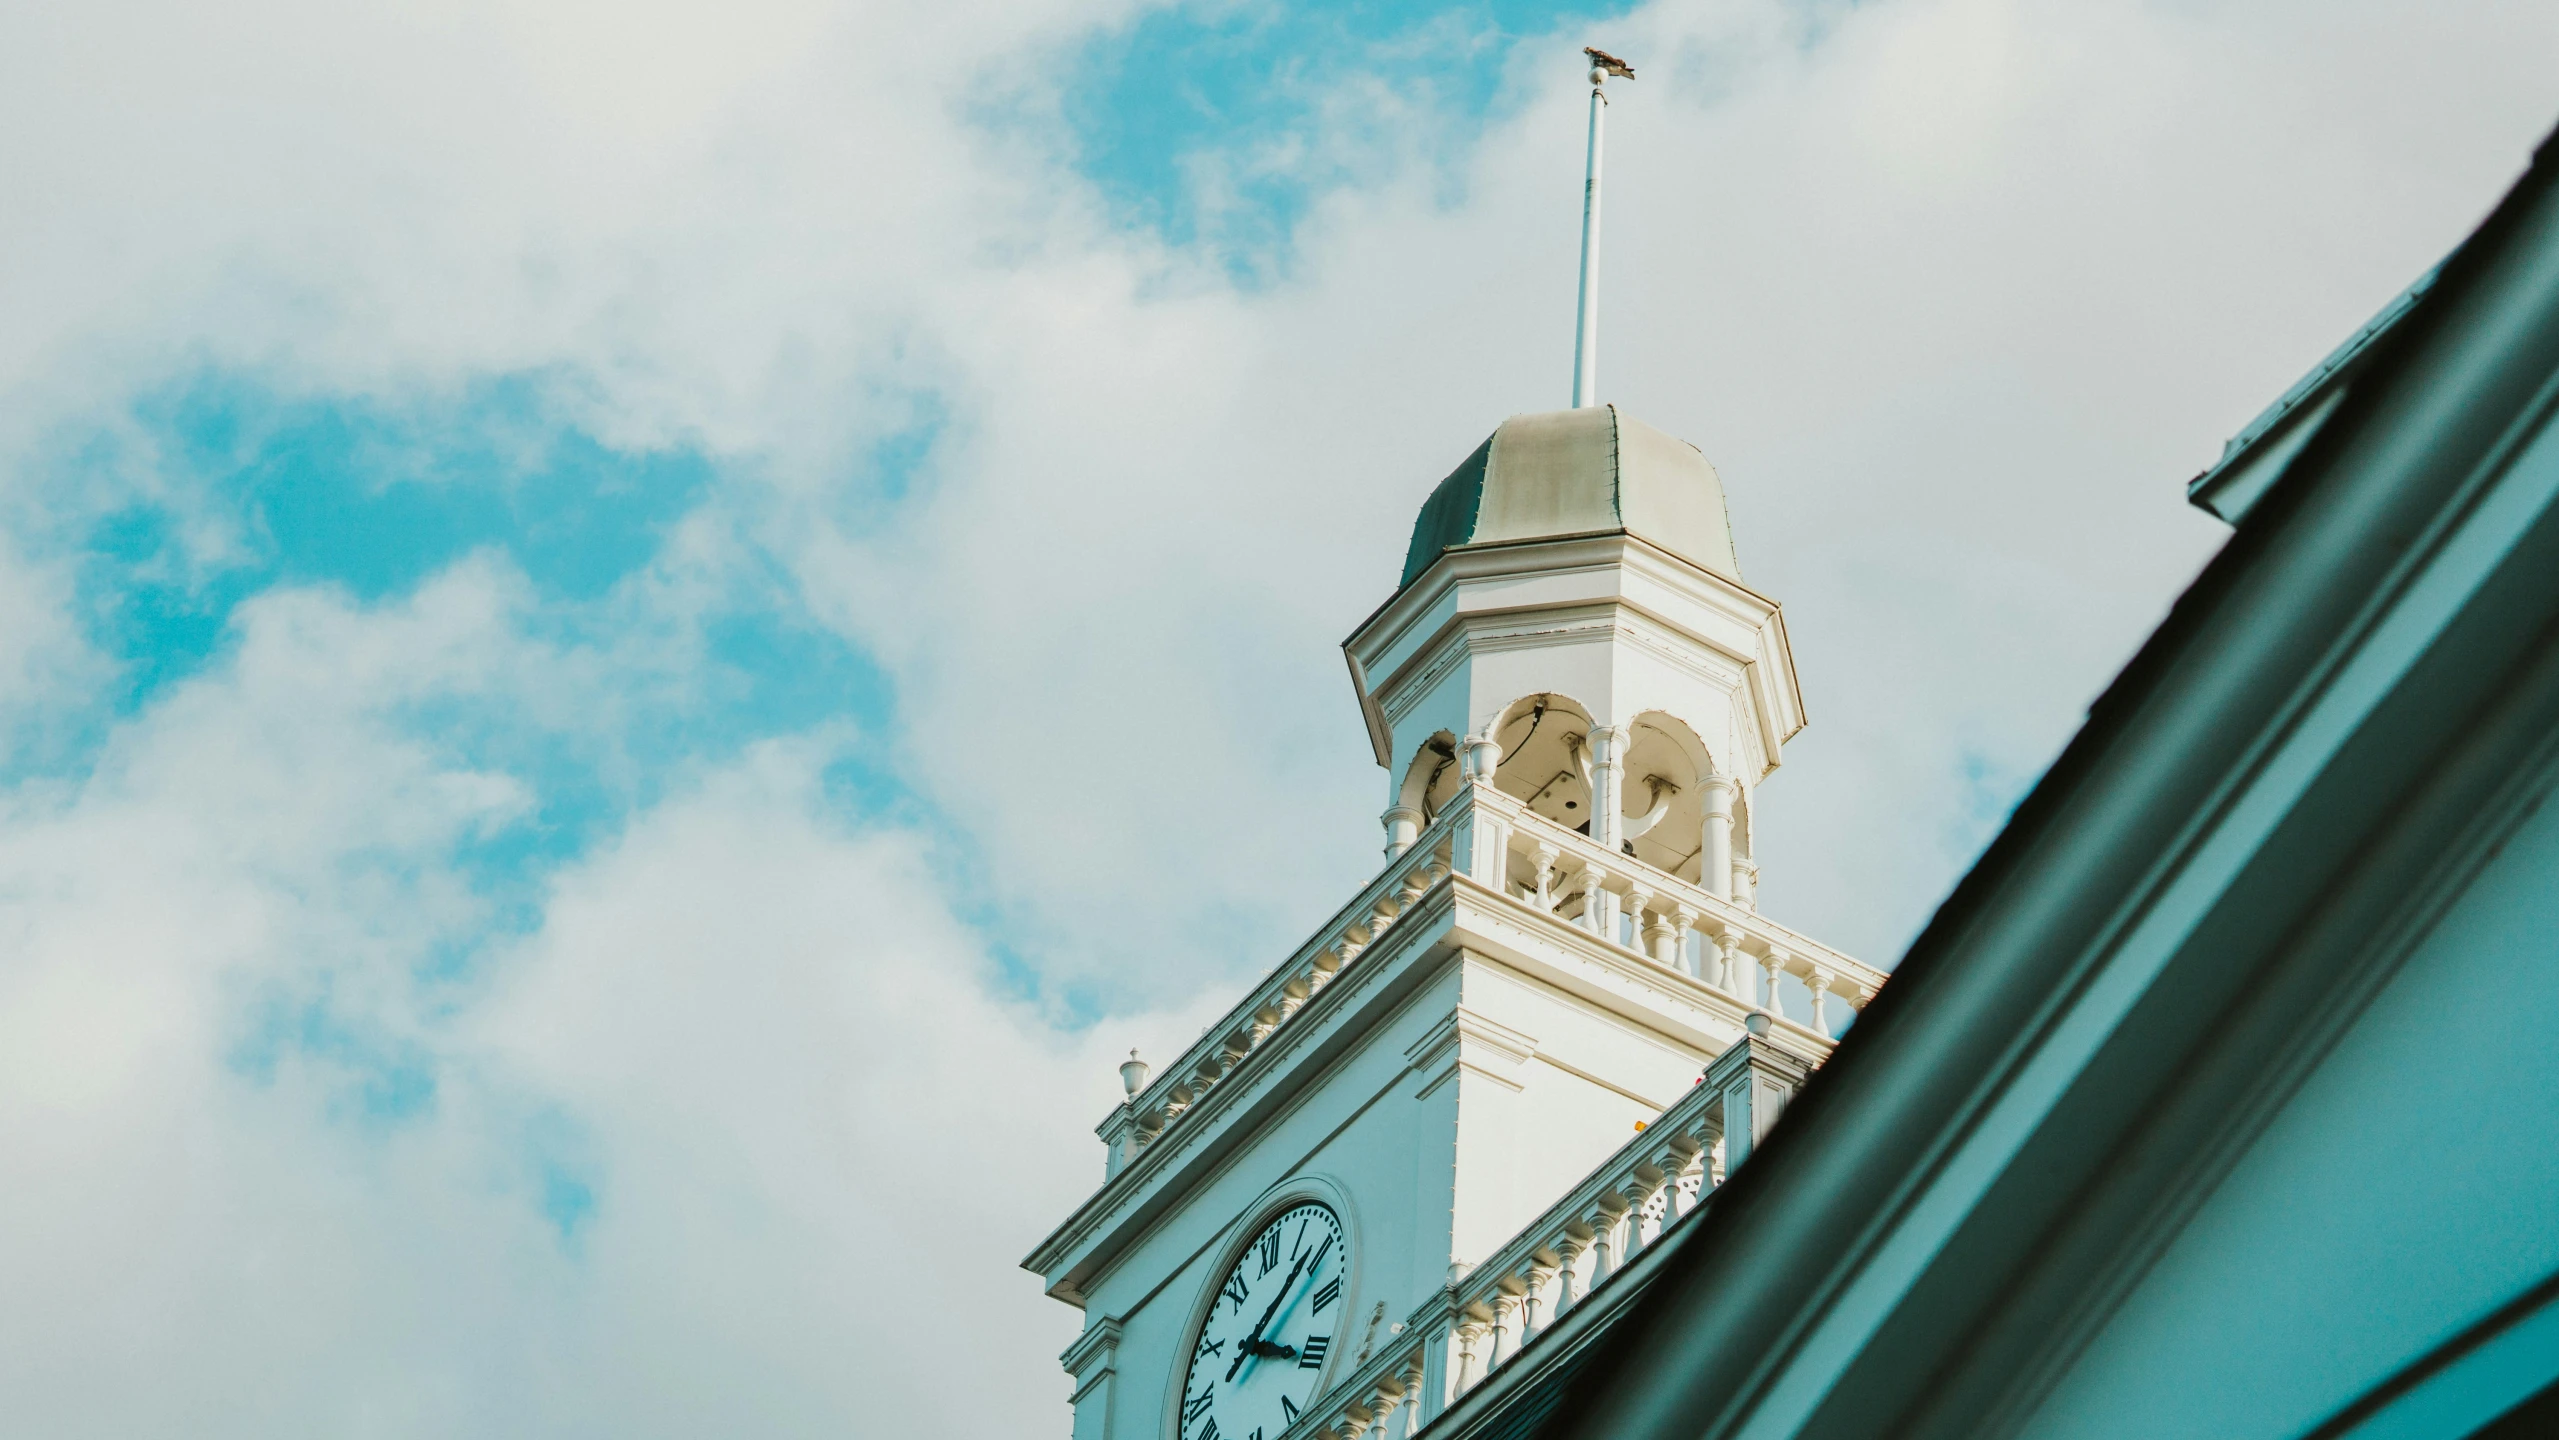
1252,1339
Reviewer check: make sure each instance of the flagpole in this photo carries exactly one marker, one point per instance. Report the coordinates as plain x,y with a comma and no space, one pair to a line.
1586,326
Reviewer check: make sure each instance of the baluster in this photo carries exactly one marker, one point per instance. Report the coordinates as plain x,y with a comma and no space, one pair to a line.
1538,1275
1327,964
1674,944
1469,1330
1639,1188
1543,859
1384,1399
1568,1274
1505,1305
1738,980
1602,1221
1415,1366
1821,982
1774,963
1688,1183
1599,903
1638,897
1417,880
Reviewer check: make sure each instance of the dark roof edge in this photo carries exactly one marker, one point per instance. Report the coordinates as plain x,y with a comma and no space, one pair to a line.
2256,456
2182,716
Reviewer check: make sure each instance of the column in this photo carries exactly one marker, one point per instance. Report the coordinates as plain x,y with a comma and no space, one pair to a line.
1482,851
1403,826
1715,856
1608,783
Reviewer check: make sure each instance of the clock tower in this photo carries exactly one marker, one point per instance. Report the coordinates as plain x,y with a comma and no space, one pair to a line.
1468,1107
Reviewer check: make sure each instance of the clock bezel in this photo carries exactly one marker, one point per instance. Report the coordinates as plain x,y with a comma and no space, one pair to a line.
1230,1250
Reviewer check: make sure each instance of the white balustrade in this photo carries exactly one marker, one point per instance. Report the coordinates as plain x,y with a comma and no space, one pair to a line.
1548,868
1267,1011
1491,1313
1745,954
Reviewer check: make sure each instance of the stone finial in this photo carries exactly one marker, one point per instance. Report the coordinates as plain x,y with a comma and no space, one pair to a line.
1134,1072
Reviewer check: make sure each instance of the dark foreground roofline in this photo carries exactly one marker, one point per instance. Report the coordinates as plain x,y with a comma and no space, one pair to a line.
1823,1219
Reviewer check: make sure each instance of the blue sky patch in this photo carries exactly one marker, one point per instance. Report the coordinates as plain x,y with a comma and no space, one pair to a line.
255,490
1218,124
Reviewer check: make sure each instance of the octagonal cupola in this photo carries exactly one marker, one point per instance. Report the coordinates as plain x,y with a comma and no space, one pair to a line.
1571,618
1591,471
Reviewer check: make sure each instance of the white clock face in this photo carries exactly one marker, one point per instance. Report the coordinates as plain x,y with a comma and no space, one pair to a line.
1269,1332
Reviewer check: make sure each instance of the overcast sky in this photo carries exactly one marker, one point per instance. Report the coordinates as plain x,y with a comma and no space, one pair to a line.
636,640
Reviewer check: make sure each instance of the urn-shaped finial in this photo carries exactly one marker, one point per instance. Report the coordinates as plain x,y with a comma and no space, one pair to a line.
1133,1073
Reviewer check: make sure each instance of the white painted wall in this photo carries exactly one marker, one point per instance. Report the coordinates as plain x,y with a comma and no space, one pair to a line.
1440,1160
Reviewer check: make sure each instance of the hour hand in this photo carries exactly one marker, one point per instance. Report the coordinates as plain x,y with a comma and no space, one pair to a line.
1269,1351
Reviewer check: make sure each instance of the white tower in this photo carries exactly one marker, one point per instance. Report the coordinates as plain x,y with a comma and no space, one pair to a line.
1466,1110
1471,1099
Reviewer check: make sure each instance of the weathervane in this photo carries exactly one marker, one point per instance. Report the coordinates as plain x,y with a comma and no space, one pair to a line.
1586,328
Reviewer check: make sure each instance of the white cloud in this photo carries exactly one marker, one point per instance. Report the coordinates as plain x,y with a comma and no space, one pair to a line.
1955,292
815,1139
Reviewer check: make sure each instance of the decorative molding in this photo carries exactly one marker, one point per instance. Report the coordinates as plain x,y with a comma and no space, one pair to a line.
1466,1040
1100,1341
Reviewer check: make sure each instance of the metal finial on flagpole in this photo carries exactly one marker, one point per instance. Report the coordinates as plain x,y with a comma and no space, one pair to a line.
1586,327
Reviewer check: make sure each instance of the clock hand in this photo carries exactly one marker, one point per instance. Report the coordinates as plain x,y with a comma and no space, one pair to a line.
1255,1338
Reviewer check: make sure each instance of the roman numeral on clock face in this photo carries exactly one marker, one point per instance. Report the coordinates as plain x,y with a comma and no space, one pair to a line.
1331,1292
1288,1407
1193,1407
1310,1354
1268,1249
1234,1289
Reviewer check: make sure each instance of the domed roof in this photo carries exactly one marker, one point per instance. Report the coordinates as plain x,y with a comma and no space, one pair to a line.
1578,472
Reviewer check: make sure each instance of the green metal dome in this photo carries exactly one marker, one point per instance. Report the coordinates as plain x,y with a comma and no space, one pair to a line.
1592,471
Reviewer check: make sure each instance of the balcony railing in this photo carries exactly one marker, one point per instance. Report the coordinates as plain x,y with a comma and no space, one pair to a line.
1282,993
1494,839
1629,903
1488,1314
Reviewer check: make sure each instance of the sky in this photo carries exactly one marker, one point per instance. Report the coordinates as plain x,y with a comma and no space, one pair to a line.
638,640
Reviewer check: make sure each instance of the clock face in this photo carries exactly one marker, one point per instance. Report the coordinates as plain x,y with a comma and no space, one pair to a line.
1269,1331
